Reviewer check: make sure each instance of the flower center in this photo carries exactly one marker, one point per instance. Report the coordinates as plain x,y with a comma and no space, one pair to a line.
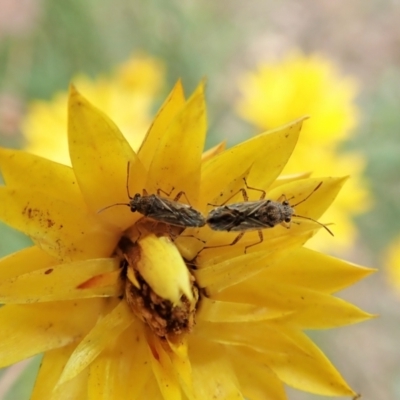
159,288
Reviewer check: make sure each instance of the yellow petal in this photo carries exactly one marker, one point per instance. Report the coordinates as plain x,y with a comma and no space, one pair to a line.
162,368
31,329
324,312
266,153
213,375
162,267
177,157
168,111
61,229
308,268
25,261
105,330
313,373
283,179
288,352
302,307
210,153
100,155
177,350
279,153
45,176
50,370
229,311
319,200
257,381
228,272
150,391
62,282
122,369
265,336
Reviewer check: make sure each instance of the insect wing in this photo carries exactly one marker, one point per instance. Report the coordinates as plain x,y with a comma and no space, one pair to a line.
237,217
174,213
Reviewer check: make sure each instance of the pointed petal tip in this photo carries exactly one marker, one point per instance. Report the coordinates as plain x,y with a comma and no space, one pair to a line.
72,89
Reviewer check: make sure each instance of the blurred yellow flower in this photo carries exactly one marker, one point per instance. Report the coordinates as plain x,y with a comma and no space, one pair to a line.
392,263
126,307
128,97
311,85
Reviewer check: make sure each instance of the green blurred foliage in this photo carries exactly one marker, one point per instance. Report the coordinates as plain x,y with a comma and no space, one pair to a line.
379,139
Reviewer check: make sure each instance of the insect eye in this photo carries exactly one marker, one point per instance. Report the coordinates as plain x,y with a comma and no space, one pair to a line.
285,203
287,219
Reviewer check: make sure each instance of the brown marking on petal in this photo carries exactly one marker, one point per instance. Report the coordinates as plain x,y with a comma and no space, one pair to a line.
49,271
154,352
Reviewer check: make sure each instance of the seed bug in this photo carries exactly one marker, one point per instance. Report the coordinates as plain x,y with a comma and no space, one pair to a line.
162,209
255,215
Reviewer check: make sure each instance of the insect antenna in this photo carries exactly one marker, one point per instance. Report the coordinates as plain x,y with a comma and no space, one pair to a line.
112,205
127,180
127,191
302,201
312,219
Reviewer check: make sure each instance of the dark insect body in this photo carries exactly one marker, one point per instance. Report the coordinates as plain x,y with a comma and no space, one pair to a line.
255,215
162,209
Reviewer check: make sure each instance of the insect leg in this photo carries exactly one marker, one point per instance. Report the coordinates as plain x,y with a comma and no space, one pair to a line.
127,179
302,201
237,238
164,192
260,235
179,195
244,194
263,192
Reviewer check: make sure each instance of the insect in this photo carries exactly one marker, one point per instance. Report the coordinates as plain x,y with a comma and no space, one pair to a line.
162,209
255,215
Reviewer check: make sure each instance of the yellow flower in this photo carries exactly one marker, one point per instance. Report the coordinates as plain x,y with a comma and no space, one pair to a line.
128,97
129,307
311,85
392,263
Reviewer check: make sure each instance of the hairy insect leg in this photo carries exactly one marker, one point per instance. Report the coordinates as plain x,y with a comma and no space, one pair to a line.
261,236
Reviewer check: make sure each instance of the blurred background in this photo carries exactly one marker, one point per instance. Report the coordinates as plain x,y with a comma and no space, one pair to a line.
266,63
